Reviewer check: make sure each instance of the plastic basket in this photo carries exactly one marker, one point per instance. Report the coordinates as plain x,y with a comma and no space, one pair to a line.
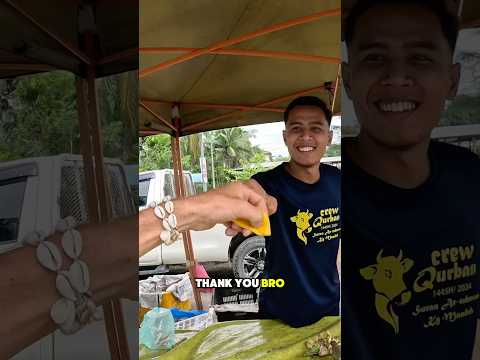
198,322
235,296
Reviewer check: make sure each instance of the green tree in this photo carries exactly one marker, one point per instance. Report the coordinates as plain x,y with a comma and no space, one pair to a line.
232,145
334,150
41,119
463,110
155,152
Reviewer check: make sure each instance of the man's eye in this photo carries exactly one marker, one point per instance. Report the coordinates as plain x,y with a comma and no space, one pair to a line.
374,58
421,59
295,129
317,129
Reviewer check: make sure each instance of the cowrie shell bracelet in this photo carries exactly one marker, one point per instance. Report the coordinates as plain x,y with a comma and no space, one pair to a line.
164,211
75,308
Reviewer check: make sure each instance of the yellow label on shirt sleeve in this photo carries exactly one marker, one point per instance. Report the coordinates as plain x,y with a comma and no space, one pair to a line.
263,230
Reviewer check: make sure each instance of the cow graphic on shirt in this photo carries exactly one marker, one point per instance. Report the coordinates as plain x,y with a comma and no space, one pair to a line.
302,221
387,277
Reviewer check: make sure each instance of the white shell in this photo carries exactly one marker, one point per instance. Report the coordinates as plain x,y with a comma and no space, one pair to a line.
33,238
167,198
69,323
166,225
65,224
153,204
62,311
64,287
159,212
49,256
72,243
169,207
79,276
165,236
172,221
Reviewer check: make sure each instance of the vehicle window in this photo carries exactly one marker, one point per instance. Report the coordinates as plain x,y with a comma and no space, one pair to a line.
11,201
189,185
169,187
143,186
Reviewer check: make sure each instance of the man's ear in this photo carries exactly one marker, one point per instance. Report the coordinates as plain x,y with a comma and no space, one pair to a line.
347,77
330,137
455,72
284,136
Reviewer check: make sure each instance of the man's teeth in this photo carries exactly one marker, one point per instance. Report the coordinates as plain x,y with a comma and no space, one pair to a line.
305,148
399,106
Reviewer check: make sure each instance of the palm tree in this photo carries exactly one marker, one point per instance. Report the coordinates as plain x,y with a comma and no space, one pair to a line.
191,146
232,145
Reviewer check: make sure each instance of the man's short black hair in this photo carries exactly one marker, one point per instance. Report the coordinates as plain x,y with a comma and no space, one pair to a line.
448,21
308,101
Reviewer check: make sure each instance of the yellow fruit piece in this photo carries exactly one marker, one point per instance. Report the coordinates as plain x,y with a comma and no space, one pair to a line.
263,230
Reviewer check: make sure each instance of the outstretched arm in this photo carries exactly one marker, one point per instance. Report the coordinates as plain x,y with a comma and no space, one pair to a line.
27,290
201,212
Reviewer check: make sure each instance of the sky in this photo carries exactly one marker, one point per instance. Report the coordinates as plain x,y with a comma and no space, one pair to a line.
269,136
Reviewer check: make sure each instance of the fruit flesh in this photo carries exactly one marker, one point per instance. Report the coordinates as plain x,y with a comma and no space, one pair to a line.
263,230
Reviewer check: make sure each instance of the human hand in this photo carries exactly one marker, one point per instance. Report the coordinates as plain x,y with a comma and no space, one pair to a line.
233,229
223,205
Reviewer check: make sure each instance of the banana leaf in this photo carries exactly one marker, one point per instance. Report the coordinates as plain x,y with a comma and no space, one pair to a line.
248,340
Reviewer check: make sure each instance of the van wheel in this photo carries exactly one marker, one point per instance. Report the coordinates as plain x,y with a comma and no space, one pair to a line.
249,258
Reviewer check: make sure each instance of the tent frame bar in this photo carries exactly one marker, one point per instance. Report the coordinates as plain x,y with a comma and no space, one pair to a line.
248,52
98,189
222,44
75,51
270,102
157,116
337,85
118,56
218,106
181,192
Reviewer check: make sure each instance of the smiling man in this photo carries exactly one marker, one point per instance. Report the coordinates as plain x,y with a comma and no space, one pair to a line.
304,243
411,231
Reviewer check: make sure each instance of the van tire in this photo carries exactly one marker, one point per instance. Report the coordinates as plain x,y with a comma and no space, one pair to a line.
253,248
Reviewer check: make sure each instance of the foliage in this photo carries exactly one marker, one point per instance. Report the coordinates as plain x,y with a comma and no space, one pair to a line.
245,173
463,110
334,150
39,116
155,153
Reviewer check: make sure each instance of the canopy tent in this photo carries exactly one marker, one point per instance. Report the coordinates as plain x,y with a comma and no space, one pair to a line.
234,63
50,36
90,38
215,64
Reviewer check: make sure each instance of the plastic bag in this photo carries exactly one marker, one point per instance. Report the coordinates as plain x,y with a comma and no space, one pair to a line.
158,329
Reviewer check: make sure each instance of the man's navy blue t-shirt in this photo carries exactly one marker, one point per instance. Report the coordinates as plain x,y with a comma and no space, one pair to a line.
410,275
303,246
